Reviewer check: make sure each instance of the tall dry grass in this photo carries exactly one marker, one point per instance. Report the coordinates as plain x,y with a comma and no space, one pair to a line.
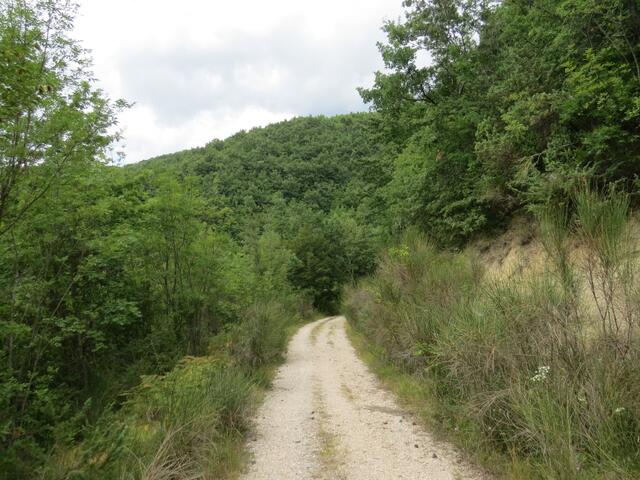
525,367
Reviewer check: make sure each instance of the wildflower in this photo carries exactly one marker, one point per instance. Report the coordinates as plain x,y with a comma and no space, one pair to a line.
618,410
541,374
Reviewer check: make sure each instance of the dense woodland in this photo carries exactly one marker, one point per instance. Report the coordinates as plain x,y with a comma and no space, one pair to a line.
170,286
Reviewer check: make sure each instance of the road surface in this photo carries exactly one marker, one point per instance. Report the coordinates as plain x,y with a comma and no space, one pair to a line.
327,417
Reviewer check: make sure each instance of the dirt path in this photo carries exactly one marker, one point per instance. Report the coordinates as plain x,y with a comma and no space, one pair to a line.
327,418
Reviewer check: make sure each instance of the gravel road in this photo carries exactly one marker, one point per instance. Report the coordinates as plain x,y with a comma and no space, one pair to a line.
327,417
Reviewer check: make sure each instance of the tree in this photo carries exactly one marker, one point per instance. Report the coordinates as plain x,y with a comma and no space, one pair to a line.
519,100
51,115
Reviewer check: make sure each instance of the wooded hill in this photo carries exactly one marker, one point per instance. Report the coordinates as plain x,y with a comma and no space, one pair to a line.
315,182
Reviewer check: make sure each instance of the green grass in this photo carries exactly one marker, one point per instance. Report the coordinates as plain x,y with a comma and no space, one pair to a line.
512,371
188,423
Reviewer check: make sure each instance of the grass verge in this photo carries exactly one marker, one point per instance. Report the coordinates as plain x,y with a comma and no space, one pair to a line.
537,375
192,422
415,396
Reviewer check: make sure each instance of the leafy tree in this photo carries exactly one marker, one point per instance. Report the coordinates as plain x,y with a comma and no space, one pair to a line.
51,115
518,101
329,253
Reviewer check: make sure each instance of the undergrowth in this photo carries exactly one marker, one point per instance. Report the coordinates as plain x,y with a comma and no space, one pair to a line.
543,370
189,423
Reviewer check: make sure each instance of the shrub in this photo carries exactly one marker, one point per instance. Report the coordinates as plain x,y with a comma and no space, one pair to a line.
603,226
261,337
178,425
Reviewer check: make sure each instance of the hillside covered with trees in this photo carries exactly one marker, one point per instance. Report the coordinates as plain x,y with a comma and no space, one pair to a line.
137,300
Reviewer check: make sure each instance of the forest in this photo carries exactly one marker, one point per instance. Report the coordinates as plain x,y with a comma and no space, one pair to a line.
137,300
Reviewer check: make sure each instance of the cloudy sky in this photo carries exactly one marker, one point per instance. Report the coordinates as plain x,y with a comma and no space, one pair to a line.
204,69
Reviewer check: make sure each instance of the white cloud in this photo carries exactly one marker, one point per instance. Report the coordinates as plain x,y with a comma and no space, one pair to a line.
149,137
202,69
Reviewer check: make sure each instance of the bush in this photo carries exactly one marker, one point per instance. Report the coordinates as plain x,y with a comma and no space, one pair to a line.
190,422
261,337
408,302
178,425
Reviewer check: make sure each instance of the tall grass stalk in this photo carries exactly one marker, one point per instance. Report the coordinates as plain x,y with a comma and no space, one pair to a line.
603,226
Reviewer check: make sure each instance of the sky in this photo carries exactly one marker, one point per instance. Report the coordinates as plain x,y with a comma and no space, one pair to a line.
203,69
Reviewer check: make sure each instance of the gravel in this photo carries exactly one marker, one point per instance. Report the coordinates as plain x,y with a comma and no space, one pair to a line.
327,417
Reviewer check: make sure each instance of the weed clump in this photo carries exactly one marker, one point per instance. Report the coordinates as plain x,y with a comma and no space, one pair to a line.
184,424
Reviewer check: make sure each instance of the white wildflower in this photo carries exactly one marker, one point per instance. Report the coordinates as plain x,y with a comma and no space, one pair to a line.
541,374
618,410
